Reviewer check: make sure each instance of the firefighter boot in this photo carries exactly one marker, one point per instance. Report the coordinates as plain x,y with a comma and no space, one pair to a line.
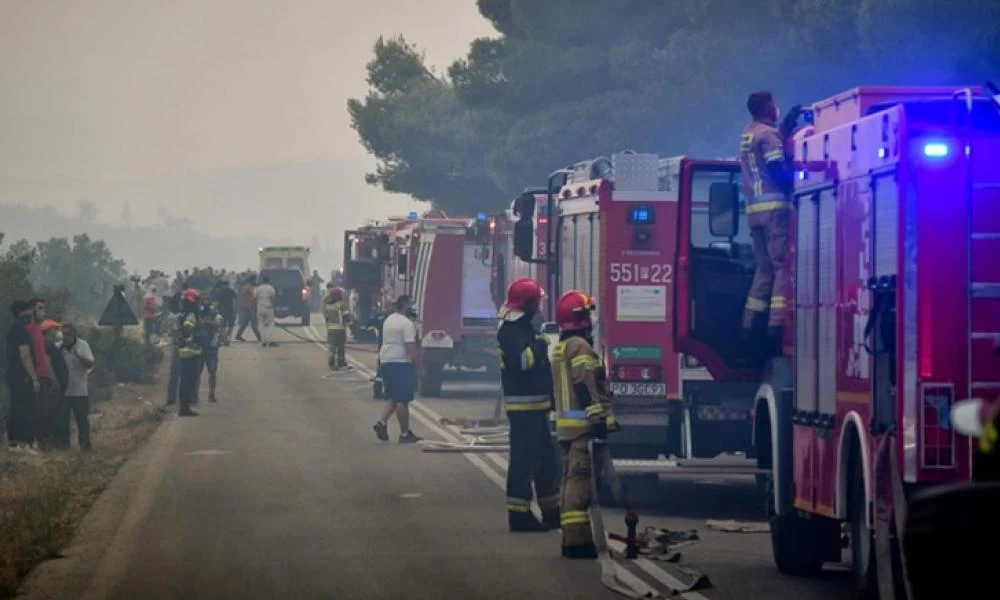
524,522
551,518
585,551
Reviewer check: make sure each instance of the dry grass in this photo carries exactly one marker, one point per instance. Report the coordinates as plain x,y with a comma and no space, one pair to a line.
44,498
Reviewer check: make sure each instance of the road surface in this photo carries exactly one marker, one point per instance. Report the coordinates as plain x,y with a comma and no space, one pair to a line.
281,490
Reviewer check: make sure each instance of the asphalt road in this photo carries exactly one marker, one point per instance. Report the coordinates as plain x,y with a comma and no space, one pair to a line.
281,490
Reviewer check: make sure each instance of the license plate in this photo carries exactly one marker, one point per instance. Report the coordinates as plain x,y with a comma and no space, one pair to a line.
639,389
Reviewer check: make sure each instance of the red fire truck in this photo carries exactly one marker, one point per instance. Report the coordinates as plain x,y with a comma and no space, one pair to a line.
444,264
507,266
366,250
615,232
896,293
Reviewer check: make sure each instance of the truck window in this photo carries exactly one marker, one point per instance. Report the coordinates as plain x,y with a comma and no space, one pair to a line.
701,236
284,278
273,263
297,263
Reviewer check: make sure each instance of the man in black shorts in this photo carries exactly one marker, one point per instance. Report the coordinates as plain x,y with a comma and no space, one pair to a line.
398,358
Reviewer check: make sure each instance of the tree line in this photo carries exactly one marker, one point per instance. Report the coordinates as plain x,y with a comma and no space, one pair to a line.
567,80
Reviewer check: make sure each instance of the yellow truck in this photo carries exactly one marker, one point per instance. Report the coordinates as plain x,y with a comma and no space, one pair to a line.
285,257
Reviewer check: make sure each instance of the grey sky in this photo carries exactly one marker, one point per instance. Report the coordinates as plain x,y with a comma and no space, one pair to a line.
225,110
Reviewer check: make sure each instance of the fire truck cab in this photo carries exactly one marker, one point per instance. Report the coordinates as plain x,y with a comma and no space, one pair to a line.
366,251
507,266
894,297
614,225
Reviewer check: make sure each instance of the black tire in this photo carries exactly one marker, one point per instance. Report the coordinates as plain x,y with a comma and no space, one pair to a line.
792,542
863,564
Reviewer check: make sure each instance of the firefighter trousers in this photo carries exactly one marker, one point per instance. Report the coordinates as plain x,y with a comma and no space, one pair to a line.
769,231
532,461
337,339
578,468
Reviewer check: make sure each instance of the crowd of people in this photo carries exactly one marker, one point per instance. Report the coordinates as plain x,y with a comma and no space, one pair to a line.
47,369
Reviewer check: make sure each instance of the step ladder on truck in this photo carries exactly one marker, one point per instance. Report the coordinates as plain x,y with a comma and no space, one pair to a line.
894,296
613,228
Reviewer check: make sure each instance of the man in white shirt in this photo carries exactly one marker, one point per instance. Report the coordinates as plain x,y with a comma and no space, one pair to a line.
265,311
79,362
397,363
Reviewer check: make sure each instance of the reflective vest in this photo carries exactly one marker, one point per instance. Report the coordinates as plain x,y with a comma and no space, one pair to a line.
525,373
760,145
187,339
575,365
336,315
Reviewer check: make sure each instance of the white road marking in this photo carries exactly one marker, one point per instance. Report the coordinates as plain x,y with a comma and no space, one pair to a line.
409,495
207,452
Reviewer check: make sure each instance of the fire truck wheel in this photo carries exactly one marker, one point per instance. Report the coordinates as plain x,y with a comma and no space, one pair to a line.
430,382
792,539
863,565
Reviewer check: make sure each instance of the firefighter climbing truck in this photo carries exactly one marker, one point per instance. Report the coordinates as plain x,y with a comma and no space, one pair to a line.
614,228
896,288
444,265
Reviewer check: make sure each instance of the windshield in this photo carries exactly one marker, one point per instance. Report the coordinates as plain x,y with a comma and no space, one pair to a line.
701,235
296,263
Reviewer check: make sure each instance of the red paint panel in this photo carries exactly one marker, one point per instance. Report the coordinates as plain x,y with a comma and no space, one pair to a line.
442,304
804,463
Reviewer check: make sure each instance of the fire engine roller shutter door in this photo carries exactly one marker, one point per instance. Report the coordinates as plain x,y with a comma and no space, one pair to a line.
478,309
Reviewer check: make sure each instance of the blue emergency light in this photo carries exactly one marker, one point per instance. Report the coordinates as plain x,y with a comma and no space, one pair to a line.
481,216
412,216
640,215
935,149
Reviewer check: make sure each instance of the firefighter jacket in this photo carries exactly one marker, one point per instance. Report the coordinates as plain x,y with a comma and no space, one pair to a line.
188,338
761,145
580,402
337,315
525,375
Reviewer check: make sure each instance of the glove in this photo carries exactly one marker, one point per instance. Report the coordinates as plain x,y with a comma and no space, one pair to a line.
790,121
612,424
595,412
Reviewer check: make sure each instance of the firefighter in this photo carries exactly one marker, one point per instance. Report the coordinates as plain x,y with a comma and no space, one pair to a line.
525,377
766,174
583,412
190,348
337,317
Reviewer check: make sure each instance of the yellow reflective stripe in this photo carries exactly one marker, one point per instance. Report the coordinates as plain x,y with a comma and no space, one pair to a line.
517,508
595,409
585,361
774,155
756,305
574,517
559,357
746,142
567,423
760,207
777,302
527,359
523,406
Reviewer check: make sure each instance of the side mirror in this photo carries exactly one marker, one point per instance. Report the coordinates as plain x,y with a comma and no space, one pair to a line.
402,264
524,239
723,209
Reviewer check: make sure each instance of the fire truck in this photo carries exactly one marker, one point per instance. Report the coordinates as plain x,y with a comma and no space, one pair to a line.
444,265
507,267
614,225
896,290
366,251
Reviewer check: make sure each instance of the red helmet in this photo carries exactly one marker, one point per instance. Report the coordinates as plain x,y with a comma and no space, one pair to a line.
522,293
336,294
573,311
191,295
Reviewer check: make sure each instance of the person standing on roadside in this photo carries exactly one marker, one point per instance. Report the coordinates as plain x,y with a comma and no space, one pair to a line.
211,323
80,362
22,380
150,312
226,301
190,344
264,294
53,405
398,358
248,308
48,385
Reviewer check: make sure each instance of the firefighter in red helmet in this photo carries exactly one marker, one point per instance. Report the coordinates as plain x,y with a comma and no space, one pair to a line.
527,390
337,317
190,341
583,412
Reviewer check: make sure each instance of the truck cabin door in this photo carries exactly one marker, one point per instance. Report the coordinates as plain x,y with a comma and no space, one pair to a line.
715,266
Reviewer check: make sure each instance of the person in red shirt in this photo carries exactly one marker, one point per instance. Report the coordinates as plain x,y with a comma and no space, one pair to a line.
49,392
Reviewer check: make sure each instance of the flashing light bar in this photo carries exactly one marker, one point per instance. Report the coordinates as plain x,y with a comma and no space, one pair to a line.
412,216
935,150
481,216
